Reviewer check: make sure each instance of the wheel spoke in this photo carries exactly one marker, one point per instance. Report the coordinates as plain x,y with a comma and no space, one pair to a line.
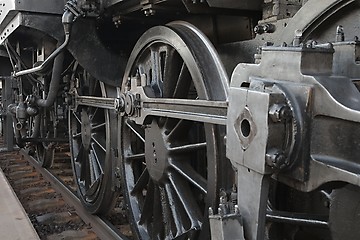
188,148
166,212
80,153
155,71
97,160
136,129
147,208
172,68
177,215
93,137
85,168
183,83
141,182
94,175
76,117
139,156
158,224
77,135
180,128
92,116
93,187
93,169
187,200
98,126
190,174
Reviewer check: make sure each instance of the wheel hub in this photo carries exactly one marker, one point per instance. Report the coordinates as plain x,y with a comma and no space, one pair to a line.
156,151
85,129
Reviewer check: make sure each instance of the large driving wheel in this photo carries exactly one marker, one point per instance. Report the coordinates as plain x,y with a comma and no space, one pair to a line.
171,167
90,144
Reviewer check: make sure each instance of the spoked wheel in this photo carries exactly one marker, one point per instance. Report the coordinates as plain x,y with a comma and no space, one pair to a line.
45,151
171,167
90,144
42,127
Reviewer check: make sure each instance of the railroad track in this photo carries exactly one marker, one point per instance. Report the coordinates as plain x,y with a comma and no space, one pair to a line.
49,198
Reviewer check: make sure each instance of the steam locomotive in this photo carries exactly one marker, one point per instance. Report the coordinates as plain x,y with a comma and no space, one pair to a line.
232,119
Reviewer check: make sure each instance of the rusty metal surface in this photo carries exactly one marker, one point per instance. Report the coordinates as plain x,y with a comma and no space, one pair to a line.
100,226
14,223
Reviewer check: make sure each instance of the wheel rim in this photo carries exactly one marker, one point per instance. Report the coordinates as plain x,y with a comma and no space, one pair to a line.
169,165
90,148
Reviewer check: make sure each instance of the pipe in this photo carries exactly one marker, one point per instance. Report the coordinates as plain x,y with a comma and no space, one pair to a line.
12,108
67,20
46,62
54,84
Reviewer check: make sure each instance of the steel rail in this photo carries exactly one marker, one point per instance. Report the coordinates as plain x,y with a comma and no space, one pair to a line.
101,227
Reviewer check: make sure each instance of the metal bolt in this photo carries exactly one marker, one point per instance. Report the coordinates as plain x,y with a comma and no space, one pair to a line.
236,209
267,44
340,35
220,211
297,38
222,200
264,28
211,211
117,172
311,44
280,112
269,28
276,159
120,104
258,29
149,12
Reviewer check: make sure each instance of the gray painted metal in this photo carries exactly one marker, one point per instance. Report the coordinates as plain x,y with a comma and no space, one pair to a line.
236,4
9,8
309,18
318,104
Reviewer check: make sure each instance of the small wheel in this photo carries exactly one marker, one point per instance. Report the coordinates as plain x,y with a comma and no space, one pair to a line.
90,144
171,167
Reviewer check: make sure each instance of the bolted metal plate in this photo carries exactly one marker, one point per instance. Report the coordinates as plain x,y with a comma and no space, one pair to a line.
9,8
247,131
